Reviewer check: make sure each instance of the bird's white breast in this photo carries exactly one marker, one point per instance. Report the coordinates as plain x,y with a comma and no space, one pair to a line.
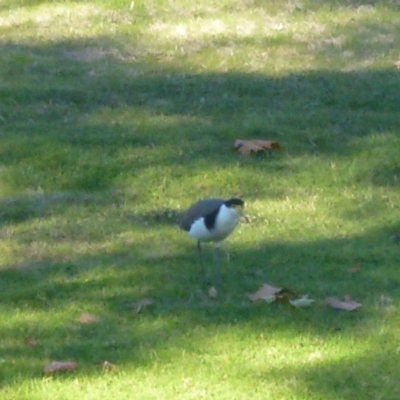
226,220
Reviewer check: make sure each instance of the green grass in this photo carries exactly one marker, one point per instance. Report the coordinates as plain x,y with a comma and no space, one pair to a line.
116,115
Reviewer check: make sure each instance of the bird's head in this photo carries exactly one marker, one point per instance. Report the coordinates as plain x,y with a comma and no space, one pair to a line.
235,203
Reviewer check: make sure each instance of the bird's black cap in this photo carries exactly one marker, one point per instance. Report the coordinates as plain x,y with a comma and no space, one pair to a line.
234,201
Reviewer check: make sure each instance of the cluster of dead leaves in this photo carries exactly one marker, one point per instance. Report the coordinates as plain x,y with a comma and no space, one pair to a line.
246,147
270,294
267,292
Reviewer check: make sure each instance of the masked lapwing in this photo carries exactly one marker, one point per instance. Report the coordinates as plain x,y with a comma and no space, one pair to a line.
212,220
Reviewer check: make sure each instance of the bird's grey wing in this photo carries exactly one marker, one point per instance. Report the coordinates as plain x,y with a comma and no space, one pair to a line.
198,210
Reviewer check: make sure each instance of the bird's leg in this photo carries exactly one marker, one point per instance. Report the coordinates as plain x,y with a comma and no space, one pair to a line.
203,270
216,265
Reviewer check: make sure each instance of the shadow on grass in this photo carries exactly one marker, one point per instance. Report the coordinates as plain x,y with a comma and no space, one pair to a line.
64,134
14,210
109,284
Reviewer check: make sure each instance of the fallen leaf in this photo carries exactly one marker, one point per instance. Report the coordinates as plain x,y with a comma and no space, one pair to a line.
348,304
57,366
303,301
212,292
269,299
245,147
86,318
141,304
107,366
355,268
265,292
30,341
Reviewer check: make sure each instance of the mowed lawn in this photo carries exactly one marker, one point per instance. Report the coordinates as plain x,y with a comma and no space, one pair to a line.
116,115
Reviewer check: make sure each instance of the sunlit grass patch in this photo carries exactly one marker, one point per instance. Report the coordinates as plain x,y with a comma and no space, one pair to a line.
55,21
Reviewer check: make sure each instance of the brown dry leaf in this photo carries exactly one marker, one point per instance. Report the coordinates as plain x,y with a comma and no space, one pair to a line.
245,147
355,268
348,304
141,304
212,293
266,292
107,366
86,318
303,301
30,341
57,366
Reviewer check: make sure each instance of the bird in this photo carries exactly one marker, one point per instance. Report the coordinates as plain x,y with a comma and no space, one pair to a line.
212,220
